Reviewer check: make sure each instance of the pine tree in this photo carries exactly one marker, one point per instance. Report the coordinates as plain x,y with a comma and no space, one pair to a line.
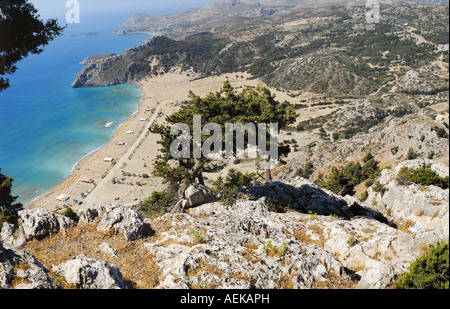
8,206
225,106
21,33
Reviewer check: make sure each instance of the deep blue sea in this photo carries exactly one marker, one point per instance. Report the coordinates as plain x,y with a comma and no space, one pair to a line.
46,127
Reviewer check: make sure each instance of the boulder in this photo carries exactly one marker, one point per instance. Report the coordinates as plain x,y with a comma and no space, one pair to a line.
87,273
378,275
123,220
197,194
7,234
92,215
40,223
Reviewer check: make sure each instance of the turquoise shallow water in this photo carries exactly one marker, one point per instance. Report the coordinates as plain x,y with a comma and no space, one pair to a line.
46,127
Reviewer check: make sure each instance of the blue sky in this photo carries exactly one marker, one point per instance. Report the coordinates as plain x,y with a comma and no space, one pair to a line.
57,8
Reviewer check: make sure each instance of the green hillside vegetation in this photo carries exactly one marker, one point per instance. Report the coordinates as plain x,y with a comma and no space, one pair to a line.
424,176
361,57
343,181
8,205
429,271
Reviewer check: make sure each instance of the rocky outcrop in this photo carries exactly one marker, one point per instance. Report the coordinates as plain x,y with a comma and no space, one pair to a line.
304,196
112,69
97,58
421,82
121,219
86,273
8,239
322,241
389,142
21,270
424,208
195,195
239,246
40,223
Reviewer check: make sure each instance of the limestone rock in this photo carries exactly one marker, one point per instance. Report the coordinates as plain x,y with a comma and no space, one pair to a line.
197,194
106,248
88,273
123,220
40,223
239,246
22,270
425,207
92,215
378,275
7,236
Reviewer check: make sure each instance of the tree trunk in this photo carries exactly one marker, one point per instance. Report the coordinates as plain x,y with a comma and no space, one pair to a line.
268,175
200,178
183,188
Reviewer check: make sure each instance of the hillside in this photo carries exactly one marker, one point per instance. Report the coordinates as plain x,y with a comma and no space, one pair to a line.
328,50
323,241
361,195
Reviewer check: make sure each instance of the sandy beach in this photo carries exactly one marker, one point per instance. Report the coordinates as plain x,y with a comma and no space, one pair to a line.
127,179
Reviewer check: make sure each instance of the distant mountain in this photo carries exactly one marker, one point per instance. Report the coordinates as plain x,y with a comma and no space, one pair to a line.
296,3
221,11
192,18
321,3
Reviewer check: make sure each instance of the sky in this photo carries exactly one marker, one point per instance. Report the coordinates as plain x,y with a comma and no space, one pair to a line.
57,8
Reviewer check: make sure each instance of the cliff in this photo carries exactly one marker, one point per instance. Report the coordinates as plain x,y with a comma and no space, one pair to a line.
112,69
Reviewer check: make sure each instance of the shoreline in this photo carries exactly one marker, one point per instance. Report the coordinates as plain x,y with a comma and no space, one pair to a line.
83,161
129,180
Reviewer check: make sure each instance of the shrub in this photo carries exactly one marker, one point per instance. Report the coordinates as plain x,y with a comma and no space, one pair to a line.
10,217
343,181
306,171
233,180
412,154
230,195
429,271
71,214
198,236
158,203
422,176
377,187
440,132
364,196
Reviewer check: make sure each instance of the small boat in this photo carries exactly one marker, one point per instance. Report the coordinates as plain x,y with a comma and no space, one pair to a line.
109,124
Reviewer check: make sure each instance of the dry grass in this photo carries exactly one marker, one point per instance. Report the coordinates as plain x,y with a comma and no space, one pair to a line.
302,236
403,225
335,282
20,265
133,259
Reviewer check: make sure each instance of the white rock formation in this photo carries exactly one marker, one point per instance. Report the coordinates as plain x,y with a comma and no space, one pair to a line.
40,223
88,273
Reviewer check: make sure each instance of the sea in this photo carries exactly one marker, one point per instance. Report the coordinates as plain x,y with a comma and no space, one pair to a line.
46,127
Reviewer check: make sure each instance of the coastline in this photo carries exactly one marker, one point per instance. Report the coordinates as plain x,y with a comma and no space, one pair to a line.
160,96
128,180
40,200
